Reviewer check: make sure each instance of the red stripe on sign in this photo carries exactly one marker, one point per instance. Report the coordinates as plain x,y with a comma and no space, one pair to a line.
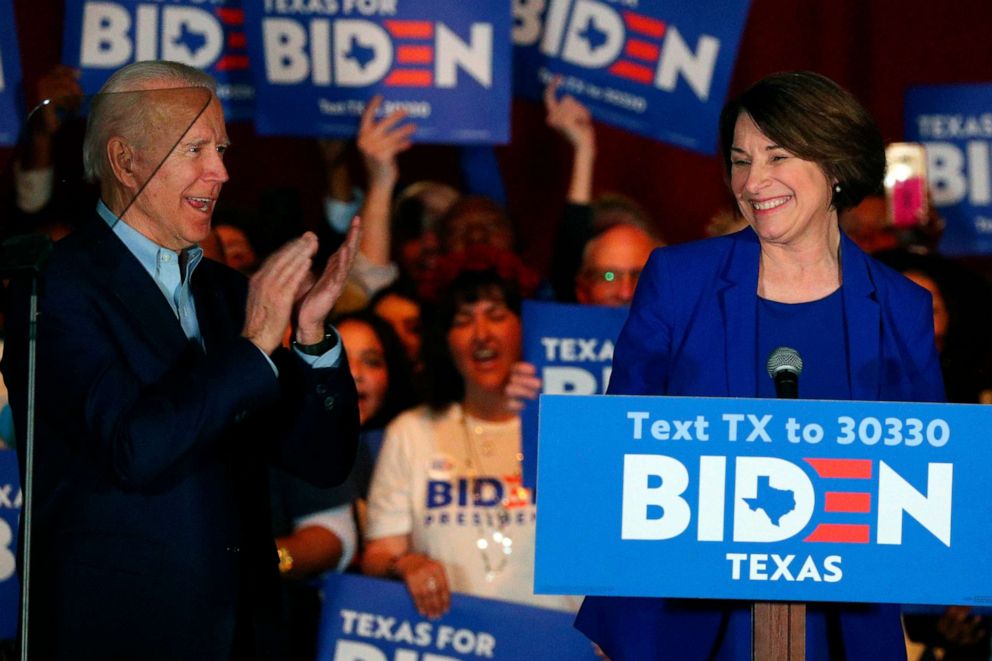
410,29
410,78
231,16
651,27
641,50
631,71
232,62
414,54
855,469
236,40
843,501
846,533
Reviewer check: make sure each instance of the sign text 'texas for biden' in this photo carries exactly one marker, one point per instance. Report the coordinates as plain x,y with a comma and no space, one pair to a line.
446,62
764,499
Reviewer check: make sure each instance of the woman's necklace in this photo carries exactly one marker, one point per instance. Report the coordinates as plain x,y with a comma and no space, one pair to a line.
494,543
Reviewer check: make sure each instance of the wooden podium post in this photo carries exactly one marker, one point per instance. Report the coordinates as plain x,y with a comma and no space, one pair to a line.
778,631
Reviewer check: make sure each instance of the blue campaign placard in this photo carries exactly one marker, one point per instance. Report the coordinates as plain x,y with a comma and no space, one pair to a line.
11,102
954,123
10,512
754,499
445,62
370,619
656,68
571,346
101,36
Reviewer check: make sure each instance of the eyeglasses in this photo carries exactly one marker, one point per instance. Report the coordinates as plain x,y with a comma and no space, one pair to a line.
611,277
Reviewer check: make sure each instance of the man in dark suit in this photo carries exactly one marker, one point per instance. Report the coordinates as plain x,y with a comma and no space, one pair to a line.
164,394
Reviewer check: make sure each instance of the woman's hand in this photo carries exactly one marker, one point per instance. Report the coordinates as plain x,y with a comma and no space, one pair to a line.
569,117
522,386
427,583
572,119
380,142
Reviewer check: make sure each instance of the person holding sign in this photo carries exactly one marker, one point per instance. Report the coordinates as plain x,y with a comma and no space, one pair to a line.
447,511
797,150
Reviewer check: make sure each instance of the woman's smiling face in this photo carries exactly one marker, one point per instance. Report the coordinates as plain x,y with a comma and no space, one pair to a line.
787,200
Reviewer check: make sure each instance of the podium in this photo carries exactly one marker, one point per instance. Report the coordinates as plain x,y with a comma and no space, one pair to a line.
777,502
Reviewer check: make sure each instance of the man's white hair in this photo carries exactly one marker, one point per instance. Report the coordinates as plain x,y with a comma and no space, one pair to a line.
113,112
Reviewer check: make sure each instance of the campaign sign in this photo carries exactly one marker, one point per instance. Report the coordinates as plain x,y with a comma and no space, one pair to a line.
445,62
10,512
657,68
370,619
761,499
10,77
572,348
102,36
954,122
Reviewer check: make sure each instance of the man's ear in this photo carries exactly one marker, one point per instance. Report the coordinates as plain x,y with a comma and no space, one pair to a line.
120,154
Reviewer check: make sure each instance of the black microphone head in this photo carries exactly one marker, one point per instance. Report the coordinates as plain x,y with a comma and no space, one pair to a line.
785,359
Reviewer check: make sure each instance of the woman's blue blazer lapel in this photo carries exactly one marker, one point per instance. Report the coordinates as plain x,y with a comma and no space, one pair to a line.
739,303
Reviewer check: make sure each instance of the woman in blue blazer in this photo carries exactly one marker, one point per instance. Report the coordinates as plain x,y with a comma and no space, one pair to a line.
797,150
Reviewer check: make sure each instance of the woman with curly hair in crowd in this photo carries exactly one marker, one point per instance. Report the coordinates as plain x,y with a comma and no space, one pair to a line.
447,510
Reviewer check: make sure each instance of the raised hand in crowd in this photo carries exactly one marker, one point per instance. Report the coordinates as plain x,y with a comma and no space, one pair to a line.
380,142
572,119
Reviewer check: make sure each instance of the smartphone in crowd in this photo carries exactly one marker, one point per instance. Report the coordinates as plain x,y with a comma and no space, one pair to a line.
906,193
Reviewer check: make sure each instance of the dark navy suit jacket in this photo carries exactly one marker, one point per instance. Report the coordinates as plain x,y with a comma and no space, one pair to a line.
692,331
151,525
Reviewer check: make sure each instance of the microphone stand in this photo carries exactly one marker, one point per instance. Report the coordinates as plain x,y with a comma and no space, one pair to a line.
27,254
778,629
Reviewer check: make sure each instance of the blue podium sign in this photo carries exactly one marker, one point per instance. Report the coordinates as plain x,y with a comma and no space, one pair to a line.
10,513
657,68
764,499
103,36
369,619
571,346
445,62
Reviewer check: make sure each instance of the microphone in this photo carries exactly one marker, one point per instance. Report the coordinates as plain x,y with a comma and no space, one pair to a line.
784,367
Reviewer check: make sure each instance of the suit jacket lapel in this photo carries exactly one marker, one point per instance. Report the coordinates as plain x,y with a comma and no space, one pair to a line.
738,302
862,316
137,291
